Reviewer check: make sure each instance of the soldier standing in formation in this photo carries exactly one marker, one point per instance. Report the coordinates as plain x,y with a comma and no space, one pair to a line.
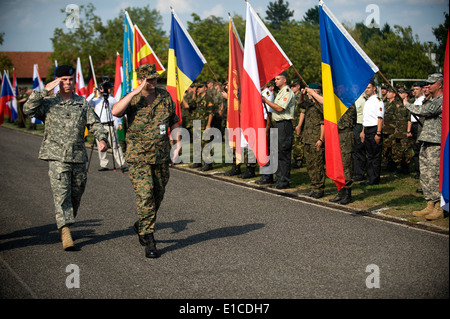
282,116
297,144
346,140
430,151
151,112
66,115
416,126
313,138
372,134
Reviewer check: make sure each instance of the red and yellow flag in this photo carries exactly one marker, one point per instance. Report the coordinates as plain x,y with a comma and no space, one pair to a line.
143,54
235,68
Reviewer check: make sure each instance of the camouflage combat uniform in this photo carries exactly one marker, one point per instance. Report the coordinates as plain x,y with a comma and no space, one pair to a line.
346,140
297,144
389,125
402,151
63,147
148,153
315,159
430,151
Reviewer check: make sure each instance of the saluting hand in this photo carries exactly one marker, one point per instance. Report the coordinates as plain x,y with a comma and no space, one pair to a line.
51,85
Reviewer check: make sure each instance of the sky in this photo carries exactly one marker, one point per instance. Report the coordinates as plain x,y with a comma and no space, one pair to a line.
29,24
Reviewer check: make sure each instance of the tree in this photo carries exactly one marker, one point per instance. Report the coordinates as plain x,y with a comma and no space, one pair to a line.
277,13
440,34
5,62
102,42
312,16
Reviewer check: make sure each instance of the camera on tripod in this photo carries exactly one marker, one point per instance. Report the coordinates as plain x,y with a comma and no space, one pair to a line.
105,86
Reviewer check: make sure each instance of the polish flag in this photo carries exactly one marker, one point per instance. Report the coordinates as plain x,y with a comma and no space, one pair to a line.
263,60
80,87
118,79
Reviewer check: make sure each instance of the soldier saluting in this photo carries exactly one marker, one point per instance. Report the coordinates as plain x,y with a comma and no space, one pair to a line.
65,115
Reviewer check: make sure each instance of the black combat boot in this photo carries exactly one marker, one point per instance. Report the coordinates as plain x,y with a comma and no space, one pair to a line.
235,170
347,197
206,167
249,173
339,196
150,248
142,239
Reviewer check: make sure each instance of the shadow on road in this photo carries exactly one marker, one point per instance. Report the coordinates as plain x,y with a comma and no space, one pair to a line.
208,235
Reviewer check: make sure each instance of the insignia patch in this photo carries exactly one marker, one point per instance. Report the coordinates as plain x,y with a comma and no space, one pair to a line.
381,109
285,99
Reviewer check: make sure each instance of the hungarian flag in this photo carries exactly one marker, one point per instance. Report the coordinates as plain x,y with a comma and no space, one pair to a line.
235,69
143,54
444,171
128,38
118,78
263,60
185,62
344,65
6,95
80,88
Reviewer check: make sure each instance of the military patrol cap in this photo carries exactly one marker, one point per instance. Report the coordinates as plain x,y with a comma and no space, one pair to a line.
432,78
147,71
314,86
64,70
384,87
294,83
419,84
402,90
202,84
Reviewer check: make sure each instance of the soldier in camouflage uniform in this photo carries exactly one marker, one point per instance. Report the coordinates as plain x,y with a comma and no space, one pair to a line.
401,144
391,104
151,112
187,108
297,144
204,112
430,152
346,139
66,115
313,138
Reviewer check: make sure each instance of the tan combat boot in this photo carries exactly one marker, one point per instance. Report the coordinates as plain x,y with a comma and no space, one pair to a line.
437,213
427,210
66,238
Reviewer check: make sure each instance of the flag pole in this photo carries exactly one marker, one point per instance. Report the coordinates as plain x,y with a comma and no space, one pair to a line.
93,74
396,94
306,85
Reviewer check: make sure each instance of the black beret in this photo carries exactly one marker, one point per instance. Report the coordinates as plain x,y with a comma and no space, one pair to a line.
64,70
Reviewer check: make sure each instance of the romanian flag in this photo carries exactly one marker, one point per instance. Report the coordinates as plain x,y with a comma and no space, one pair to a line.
185,62
128,38
346,72
143,54
444,171
235,69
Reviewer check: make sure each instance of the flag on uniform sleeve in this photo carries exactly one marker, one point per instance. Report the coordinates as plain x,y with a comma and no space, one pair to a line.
6,95
235,69
128,38
444,171
118,78
346,72
38,85
80,88
263,60
185,62
143,54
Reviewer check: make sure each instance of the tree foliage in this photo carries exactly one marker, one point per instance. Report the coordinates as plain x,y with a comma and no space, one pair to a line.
395,50
277,13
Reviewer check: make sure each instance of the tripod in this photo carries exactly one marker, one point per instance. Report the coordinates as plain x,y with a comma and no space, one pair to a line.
112,135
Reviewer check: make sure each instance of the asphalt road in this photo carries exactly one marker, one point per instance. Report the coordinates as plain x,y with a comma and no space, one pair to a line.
217,240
